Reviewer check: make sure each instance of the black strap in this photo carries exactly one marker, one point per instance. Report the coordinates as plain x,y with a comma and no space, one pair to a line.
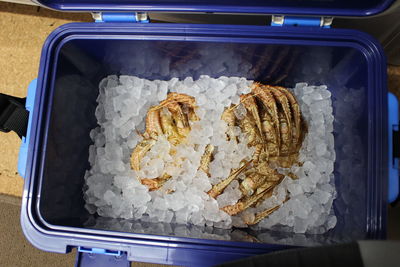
13,115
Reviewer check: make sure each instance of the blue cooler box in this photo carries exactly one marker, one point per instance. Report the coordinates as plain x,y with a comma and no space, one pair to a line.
62,103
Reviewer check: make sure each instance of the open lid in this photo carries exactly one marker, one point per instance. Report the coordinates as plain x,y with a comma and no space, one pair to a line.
297,7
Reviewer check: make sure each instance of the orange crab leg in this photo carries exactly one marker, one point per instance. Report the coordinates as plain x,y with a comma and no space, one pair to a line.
269,102
219,188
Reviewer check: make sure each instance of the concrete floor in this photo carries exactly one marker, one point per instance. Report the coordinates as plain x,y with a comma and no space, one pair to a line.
23,30
15,249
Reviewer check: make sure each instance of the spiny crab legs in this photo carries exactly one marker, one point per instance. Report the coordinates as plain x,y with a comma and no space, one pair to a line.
272,124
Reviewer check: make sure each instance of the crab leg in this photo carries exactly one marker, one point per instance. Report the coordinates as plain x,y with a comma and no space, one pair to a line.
269,185
248,128
268,101
206,159
262,58
251,183
282,54
250,104
180,98
218,188
153,123
168,127
156,183
140,150
192,115
295,111
258,152
261,193
264,169
287,67
173,103
181,119
245,203
178,54
271,147
265,213
229,117
261,215
285,158
285,134
284,103
170,118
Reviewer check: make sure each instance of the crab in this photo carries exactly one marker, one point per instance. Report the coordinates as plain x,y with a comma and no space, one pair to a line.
275,128
272,124
171,119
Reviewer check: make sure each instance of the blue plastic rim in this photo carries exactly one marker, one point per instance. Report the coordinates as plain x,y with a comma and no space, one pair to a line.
393,120
304,7
73,60
23,150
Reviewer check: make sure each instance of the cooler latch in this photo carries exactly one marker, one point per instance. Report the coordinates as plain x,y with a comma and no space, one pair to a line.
280,20
137,17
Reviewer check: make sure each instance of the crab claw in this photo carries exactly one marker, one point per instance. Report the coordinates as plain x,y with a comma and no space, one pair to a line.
219,188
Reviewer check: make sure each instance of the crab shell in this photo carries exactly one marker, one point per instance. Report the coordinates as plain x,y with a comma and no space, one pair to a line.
171,119
274,126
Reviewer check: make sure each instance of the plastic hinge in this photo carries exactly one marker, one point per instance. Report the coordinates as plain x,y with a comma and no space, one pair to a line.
280,20
100,251
23,149
394,147
136,17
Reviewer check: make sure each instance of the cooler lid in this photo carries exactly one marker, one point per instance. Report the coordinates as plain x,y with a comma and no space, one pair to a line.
297,7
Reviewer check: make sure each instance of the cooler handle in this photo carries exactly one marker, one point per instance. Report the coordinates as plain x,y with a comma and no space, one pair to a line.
23,150
394,147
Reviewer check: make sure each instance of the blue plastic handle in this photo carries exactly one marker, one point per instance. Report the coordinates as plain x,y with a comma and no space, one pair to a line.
23,150
393,120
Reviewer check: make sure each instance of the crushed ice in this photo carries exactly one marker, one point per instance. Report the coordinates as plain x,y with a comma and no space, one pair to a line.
113,189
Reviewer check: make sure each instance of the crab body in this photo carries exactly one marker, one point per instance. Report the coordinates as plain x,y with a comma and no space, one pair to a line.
272,124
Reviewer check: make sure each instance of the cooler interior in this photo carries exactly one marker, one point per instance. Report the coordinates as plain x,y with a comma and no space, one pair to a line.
82,63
